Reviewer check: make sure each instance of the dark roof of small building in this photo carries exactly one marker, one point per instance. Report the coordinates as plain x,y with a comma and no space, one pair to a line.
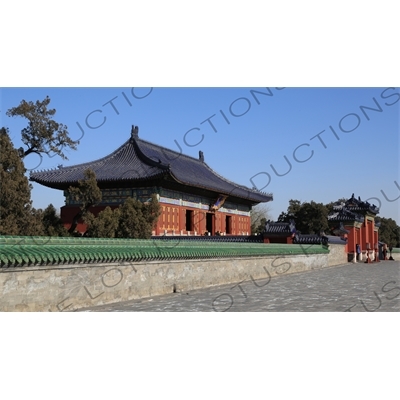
280,228
310,239
336,239
340,230
138,160
352,210
344,214
357,205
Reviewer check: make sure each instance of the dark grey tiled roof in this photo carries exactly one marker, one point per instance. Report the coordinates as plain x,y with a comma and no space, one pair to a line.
282,228
345,215
195,172
310,239
121,165
357,205
340,230
138,160
336,240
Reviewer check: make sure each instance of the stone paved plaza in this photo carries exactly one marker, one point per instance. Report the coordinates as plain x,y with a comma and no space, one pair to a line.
351,287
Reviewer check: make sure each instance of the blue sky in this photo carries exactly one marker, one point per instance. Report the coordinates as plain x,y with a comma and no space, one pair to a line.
245,134
230,44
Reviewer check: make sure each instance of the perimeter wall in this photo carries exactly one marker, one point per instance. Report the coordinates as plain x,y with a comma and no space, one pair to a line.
72,286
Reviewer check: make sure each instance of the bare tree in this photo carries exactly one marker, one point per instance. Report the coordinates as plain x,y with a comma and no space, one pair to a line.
259,214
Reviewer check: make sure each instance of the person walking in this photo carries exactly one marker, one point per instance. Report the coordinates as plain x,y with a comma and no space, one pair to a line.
358,251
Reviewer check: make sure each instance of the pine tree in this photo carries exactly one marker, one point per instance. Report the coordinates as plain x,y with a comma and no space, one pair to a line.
104,225
88,194
389,231
43,134
52,224
136,219
130,221
151,212
17,217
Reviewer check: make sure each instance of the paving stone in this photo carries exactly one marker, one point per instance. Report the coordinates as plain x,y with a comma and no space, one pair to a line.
351,287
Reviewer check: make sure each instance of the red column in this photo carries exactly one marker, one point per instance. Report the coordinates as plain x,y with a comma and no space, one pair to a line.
182,220
202,222
364,234
372,232
159,222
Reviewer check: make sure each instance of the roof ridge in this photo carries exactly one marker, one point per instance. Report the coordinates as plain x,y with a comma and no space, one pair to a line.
146,159
207,166
173,151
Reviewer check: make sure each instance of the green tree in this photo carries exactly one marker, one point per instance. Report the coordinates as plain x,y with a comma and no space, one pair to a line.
151,211
104,225
292,210
137,219
17,217
88,194
43,134
389,231
52,224
310,218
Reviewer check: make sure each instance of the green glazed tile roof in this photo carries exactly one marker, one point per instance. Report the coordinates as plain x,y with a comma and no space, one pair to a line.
40,250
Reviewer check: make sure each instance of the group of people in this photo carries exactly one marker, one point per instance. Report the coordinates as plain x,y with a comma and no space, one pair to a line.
384,251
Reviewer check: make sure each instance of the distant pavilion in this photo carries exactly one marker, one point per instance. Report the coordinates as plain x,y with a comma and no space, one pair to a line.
357,217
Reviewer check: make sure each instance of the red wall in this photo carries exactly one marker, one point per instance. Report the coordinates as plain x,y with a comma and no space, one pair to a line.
68,213
363,235
172,218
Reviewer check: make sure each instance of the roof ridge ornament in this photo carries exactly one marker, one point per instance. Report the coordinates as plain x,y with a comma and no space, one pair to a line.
201,156
135,132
